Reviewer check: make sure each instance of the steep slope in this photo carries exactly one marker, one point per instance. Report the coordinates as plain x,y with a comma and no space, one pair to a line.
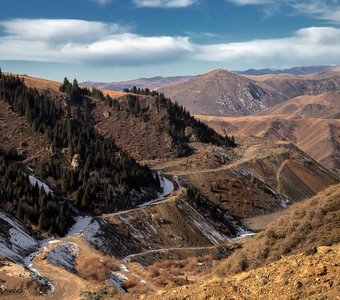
15,240
158,231
223,93
138,122
310,227
79,164
310,122
299,276
257,178
314,222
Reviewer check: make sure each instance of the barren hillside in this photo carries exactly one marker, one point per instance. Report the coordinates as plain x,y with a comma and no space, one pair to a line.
222,93
310,122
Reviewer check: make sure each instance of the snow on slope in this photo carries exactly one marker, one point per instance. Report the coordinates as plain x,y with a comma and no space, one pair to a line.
64,256
116,279
79,226
15,241
41,184
167,188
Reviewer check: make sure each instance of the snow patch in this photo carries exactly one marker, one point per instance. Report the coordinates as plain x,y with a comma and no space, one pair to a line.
33,272
90,234
203,225
116,279
123,268
64,256
41,184
167,188
15,240
240,231
79,226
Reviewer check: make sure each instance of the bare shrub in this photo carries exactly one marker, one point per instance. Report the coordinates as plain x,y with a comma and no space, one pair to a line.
95,268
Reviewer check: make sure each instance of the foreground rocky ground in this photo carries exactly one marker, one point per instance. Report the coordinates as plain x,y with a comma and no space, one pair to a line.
310,275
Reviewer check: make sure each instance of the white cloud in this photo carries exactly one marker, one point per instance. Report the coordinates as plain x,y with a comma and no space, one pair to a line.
321,9
87,42
164,3
308,46
109,44
59,31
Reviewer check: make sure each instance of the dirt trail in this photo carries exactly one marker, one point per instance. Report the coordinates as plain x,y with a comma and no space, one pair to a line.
164,250
66,285
252,152
278,174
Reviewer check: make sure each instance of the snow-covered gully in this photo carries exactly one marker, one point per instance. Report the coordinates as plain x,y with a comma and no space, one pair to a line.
167,188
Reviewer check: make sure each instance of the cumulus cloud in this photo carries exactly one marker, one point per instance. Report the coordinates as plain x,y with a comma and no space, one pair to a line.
88,42
164,3
308,46
321,9
109,44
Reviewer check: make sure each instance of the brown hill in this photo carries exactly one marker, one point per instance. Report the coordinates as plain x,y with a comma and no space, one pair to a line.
223,93
311,122
296,85
257,178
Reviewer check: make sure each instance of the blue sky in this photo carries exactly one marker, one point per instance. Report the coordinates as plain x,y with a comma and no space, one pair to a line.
105,40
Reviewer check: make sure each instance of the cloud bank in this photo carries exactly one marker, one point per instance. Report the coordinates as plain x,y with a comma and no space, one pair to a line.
109,44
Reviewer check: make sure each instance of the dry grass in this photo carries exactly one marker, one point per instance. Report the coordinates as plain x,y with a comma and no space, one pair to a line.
314,222
96,268
170,273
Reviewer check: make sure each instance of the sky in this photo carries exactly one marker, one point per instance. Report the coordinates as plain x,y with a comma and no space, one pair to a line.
113,40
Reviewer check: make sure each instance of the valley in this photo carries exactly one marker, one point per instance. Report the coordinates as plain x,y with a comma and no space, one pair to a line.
211,198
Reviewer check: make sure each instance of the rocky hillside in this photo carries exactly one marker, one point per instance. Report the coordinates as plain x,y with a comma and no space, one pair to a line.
298,85
265,265
314,222
151,119
310,122
300,276
275,174
222,93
